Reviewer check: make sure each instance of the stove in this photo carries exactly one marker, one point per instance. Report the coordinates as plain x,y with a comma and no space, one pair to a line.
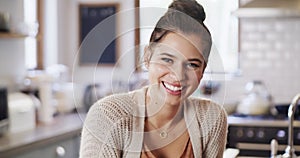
252,135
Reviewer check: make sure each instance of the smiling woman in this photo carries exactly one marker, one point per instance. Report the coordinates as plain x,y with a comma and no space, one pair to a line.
222,24
162,119
177,64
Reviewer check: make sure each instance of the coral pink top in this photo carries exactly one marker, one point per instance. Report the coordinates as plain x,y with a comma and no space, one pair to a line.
187,152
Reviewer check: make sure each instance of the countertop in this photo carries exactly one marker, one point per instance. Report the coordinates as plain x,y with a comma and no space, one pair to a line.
254,121
63,126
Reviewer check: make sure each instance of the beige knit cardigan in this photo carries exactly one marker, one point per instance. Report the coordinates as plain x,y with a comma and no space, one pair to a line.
114,127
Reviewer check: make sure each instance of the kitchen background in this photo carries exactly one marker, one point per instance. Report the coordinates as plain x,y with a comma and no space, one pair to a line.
250,46
267,47
269,51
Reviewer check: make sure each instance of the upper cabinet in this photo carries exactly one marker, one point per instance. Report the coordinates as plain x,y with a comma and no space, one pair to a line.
267,8
18,18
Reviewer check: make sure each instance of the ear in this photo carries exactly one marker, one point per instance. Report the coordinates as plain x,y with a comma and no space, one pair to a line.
147,56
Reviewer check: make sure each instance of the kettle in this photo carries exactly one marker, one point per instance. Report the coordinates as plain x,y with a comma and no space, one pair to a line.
91,94
257,101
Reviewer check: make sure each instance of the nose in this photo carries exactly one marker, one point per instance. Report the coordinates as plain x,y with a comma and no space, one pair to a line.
178,72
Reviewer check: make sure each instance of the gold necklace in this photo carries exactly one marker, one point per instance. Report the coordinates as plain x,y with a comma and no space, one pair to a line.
163,133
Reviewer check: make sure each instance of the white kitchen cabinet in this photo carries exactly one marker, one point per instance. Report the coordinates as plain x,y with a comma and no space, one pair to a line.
67,148
59,139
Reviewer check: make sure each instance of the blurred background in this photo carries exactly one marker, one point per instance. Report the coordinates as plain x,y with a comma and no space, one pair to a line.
57,57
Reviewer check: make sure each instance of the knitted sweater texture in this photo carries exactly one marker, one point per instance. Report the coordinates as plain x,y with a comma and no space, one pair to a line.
114,127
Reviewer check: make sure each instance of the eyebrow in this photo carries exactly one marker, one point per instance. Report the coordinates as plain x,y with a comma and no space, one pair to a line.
195,59
167,54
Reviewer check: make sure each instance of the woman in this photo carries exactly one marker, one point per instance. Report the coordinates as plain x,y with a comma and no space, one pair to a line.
161,119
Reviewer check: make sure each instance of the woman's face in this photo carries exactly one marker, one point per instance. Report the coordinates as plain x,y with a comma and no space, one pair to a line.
175,67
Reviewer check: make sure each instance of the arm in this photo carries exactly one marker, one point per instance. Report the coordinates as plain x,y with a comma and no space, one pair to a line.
99,134
218,136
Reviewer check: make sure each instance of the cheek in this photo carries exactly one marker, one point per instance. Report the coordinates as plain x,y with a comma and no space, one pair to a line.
195,77
156,71
200,75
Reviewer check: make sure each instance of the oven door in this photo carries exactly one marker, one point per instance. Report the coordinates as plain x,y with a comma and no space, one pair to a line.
256,140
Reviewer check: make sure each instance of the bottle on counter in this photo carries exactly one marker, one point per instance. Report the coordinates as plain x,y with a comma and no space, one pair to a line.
39,85
47,109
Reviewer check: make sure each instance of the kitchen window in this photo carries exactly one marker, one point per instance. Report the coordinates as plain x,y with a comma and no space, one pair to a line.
40,17
30,20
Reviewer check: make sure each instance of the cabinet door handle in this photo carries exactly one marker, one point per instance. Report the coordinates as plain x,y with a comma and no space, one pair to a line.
60,151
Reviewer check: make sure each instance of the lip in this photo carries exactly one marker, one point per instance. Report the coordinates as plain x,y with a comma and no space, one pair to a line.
177,88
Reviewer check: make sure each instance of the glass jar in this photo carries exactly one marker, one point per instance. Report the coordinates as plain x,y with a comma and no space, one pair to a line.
257,100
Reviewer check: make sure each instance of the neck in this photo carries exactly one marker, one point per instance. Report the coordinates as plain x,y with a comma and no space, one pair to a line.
161,114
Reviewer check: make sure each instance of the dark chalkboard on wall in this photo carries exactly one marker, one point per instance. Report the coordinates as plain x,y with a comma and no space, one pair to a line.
97,34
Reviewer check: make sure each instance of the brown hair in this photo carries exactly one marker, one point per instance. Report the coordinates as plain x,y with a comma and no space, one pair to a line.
186,16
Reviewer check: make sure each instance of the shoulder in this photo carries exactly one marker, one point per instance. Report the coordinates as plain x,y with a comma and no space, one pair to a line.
110,118
118,106
108,114
113,106
208,108
205,104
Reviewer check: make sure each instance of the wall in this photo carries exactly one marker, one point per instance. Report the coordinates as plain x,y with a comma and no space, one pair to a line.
61,44
269,52
12,62
68,44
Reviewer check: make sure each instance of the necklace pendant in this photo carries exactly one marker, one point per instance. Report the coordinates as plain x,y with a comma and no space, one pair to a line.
163,134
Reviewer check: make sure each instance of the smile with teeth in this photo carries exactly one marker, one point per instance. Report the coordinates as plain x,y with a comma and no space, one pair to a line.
171,87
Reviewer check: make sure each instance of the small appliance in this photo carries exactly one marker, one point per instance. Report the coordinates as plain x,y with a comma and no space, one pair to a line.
21,111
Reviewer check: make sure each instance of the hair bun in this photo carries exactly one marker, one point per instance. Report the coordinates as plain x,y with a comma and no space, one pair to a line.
189,7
